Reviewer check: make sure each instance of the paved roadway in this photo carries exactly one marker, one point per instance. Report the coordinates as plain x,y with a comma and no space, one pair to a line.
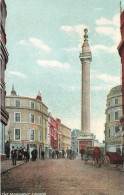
63,177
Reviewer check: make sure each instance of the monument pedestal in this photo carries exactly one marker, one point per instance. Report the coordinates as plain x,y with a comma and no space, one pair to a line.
85,139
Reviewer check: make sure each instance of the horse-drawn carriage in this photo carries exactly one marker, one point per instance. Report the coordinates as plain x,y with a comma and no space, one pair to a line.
94,154
113,158
98,157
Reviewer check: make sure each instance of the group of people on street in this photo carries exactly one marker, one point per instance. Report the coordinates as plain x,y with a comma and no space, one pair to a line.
62,154
23,154
70,154
19,154
55,154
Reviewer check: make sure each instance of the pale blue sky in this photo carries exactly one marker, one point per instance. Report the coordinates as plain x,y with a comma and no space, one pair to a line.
44,39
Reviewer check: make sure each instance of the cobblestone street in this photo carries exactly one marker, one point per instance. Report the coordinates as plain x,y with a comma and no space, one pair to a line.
63,177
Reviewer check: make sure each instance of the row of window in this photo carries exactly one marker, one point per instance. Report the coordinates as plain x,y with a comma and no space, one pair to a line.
17,134
113,132
32,104
17,118
115,102
53,132
116,117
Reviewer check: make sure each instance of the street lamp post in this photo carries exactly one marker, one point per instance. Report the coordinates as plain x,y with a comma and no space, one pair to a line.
9,132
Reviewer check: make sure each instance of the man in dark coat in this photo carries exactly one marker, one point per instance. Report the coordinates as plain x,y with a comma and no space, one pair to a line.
26,155
53,154
32,154
57,154
13,156
42,154
82,151
70,154
67,151
35,154
63,153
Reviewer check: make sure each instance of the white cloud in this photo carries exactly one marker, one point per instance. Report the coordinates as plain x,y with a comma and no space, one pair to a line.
22,42
96,48
106,78
19,74
112,31
104,21
36,42
56,64
66,28
105,30
109,78
39,43
79,29
98,9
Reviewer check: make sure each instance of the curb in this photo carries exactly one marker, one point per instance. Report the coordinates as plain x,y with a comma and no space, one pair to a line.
12,168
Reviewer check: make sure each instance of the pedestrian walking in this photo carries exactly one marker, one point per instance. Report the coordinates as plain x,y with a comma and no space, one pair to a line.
73,154
70,154
67,152
26,155
57,154
53,154
82,151
32,154
13,156
35,154
63,153
17,151
43,154
20,154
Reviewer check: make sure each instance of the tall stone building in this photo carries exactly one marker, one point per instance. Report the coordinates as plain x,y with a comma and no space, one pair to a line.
28,122
113,113
121,53
3,62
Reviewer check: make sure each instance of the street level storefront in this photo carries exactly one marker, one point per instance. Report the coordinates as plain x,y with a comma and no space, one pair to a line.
3,62
28,146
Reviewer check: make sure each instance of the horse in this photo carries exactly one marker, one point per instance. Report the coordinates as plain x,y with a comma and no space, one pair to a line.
97,155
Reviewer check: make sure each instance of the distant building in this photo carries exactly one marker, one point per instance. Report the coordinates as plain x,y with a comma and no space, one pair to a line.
52,133
113,114
3,62
74,141
28,121
97,143
64,136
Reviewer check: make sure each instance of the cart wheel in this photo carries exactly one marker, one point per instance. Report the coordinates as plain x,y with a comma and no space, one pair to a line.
106,161
85,159
94,162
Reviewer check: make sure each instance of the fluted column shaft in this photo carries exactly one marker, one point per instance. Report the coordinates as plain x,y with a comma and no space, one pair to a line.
85,96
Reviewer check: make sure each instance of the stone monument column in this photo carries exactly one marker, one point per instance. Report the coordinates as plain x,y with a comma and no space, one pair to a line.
85,58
